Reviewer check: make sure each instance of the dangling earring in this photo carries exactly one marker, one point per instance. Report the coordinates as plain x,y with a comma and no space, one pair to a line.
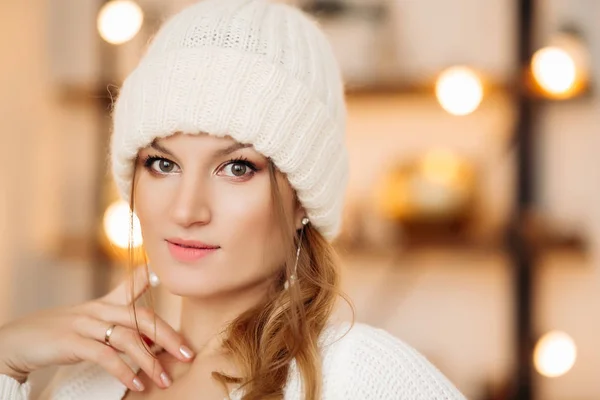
292,280
153,278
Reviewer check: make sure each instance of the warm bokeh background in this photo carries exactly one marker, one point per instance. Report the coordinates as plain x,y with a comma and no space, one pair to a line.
431,194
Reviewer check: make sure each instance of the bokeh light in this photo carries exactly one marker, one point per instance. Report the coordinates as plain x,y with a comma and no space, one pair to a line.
437,185
119,21
554,70
116,225
554,354
459,90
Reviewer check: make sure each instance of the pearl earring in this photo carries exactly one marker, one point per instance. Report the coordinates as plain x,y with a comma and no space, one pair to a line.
153,278
293,278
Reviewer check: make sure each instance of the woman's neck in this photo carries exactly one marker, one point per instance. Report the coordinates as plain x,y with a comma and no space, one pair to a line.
203,320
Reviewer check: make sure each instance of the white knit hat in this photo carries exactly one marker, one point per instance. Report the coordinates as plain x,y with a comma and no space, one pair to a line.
258,71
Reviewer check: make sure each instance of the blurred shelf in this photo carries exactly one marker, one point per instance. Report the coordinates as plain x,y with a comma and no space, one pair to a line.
544,242
396,89
87,95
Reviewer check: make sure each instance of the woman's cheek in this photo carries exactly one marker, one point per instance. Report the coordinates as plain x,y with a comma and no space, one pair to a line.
245,210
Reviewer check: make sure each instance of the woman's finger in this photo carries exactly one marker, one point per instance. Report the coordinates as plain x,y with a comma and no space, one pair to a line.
121,295
126,341
162,333
109,359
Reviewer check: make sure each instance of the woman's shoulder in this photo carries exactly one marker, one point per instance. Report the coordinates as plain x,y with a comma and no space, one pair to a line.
365,362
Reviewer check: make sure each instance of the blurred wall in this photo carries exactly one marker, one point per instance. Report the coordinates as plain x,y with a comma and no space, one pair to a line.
29,144
570,190
49,156
454,307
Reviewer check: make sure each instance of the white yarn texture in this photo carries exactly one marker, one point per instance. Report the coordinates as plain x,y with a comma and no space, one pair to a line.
258,71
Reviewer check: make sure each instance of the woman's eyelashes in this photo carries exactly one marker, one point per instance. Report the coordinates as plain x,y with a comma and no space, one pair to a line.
159,165
239,168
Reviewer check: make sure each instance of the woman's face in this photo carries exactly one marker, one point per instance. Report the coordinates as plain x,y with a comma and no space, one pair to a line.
207,216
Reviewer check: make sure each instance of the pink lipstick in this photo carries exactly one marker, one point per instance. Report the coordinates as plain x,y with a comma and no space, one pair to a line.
189,250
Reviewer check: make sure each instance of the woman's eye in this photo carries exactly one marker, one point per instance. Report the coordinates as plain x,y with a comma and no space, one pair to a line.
165,166
236,169
161,165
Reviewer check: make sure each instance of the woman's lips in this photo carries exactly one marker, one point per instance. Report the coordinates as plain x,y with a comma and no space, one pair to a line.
189,254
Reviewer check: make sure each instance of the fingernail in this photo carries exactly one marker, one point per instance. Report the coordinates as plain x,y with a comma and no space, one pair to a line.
165,379
138,384
148,341
186,352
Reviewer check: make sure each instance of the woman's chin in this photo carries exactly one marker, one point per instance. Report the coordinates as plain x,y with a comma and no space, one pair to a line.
209,284
192,291
186,286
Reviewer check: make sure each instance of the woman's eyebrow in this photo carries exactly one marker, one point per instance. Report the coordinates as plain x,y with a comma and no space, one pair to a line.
218,153
231,149
158,147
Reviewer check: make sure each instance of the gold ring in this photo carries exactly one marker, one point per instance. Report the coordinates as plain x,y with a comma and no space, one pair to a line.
109,332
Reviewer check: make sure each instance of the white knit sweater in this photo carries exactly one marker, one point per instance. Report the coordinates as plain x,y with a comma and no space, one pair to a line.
367,363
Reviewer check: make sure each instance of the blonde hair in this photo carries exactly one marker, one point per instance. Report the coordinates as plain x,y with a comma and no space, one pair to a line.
287,325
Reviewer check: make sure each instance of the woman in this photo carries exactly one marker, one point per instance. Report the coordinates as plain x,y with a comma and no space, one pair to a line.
228,143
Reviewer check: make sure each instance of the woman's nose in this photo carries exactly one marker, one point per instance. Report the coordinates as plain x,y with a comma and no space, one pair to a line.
191,202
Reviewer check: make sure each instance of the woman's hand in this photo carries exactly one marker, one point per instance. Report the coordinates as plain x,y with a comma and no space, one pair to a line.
70,335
